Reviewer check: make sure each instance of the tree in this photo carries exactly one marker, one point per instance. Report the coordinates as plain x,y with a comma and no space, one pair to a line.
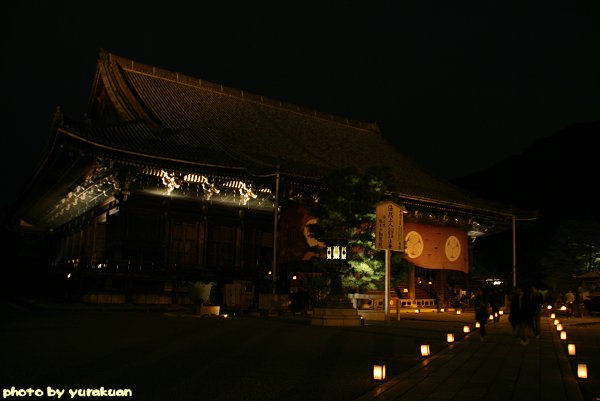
575,250
346,210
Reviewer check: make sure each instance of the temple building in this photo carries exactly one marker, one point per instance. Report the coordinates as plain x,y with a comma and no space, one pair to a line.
171,179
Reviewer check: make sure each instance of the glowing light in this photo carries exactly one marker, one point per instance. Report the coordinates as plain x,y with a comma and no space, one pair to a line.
572,349
582,372
169,181
559,327
379,372
458,312
450,337
491,317
466,329
442,310
477,325
553,316
549,307
563,335
563,308
556,321
417,311
246,193
501,312
424,349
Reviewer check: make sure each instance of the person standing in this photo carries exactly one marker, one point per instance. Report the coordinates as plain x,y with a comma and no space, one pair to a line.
481,304
570,301
537,301
521,313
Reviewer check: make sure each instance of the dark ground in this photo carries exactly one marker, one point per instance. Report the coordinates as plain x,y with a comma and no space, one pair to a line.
177,356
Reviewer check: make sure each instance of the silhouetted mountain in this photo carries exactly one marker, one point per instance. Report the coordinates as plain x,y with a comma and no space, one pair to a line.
555,179
556,175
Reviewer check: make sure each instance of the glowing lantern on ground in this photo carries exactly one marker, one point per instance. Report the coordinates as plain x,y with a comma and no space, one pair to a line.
572,349
450,338
424,350
379,372
582,372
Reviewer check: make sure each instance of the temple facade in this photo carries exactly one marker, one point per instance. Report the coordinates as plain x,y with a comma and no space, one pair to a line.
170,179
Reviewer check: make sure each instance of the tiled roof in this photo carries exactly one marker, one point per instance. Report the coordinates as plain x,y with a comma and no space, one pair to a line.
191,121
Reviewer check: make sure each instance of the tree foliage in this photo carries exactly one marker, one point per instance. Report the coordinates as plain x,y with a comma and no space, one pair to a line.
575,250
346,210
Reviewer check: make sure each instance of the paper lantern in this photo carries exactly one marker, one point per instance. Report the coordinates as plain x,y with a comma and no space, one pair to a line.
477,325
582,372
563,335
559,327
501,312
450,338
556,321
466,329
425,350
572,349
379,372
458,312
553,316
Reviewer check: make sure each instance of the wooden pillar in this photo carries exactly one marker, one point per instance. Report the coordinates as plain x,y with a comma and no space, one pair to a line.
411,285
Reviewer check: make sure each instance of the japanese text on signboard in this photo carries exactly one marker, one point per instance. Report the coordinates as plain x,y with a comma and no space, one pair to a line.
389,232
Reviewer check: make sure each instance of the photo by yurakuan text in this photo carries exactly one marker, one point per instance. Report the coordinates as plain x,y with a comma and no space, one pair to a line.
62,393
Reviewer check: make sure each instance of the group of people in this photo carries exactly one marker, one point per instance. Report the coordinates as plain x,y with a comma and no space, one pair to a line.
485,304
525,311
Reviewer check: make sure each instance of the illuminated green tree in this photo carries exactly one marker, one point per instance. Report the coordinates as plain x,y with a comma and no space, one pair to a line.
346,210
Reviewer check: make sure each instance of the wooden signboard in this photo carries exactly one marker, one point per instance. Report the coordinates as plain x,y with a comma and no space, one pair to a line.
389,232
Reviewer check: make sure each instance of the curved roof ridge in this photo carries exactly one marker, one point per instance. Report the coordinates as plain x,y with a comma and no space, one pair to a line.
162,73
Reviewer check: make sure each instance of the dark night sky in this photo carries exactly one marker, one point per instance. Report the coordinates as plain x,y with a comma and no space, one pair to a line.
457,89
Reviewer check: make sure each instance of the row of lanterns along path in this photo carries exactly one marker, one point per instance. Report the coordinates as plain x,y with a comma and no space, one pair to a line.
379,371
582,372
